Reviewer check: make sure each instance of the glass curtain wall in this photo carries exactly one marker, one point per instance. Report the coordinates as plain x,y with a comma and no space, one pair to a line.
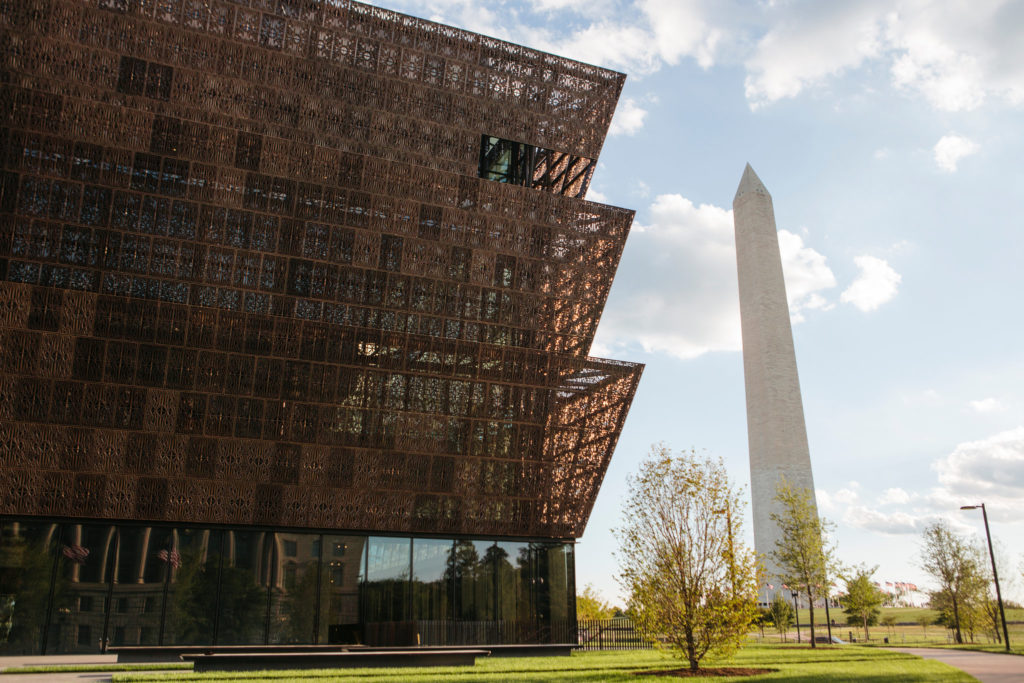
27,562
343,574
431,589
387,612
295,579
65,587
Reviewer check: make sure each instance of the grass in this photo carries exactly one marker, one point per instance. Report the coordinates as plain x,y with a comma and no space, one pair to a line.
904,615
99,668
907,632
792,663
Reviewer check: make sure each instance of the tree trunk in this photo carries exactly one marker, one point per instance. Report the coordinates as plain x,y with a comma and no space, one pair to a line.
866,637
956,621
691,651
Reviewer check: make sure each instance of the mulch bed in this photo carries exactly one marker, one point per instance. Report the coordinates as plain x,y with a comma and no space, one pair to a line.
711,672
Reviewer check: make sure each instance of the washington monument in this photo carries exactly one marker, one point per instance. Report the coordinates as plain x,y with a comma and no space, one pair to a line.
776,431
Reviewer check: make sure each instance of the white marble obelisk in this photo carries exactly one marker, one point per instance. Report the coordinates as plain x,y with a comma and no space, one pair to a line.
776,431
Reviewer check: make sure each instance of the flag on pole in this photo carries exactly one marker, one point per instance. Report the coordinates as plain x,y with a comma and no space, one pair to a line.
76,553
173,558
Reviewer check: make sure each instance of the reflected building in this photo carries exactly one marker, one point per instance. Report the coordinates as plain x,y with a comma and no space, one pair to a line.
296,298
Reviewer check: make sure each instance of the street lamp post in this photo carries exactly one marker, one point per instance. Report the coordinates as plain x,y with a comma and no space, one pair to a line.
828,619
796,611
995,574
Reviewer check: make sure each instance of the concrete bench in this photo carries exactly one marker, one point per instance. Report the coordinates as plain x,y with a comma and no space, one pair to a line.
259,661
173,653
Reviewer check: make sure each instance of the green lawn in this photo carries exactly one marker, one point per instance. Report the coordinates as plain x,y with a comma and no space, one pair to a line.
792,663
904,615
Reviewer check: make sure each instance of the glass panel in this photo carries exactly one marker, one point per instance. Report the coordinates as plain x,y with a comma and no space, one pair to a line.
26,562
344,560
86,554
141,571
473,570
386,592
192,589
293,603
552,587
431,589
245,569
514,574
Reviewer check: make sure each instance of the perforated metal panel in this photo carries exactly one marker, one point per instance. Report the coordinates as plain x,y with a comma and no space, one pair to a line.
249,275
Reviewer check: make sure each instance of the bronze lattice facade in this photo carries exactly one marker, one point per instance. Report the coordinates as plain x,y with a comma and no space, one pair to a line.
295,264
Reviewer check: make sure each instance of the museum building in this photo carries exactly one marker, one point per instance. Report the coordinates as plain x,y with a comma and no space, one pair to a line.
296,300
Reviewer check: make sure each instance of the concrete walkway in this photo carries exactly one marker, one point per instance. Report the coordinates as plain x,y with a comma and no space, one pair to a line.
7,664
987,667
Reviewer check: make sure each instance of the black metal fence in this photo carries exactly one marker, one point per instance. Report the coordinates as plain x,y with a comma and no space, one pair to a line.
446,632
610,634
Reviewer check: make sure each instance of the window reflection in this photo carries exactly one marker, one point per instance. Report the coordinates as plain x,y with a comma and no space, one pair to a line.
343,571
431,562
190,585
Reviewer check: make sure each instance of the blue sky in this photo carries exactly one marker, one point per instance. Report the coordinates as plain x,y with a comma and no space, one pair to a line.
889,134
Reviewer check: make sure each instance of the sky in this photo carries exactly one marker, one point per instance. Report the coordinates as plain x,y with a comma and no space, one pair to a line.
890,136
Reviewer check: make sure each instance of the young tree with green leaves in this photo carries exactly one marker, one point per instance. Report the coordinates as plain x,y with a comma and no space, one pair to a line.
925,620
781,614
804,559
589,605
889,622
863,600
957,566
692,581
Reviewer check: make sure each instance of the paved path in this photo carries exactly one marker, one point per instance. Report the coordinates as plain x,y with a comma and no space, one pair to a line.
987,667
14,663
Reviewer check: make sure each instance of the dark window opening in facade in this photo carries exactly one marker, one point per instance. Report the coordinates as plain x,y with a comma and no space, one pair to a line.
520,163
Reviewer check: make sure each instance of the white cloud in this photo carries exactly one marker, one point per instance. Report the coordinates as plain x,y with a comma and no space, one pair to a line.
894,495
806,274
807,43
676,290
847,495
681,29
596,196
987,405
680,296
876,284
990,470
889,522
955,55
950,149
629,118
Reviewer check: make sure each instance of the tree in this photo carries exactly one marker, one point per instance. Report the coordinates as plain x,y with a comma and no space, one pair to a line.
990,609
804,559
956,564
781,614
889,621
925,620
863,600
589,605
692,582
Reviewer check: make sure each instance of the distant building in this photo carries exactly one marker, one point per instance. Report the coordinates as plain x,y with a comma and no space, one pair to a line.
776,431
296,298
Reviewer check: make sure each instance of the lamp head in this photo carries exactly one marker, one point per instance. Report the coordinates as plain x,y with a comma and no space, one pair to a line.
969,507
